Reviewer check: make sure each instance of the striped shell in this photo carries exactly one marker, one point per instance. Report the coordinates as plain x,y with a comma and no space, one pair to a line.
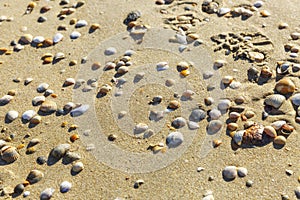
9,154
48,106
275,100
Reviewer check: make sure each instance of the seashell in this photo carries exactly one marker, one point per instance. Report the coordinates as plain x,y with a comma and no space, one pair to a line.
65,186
278,124
232,126
197,115
215,114
12,115
69,106
185,73
38,39
19,188
161,66
188,94
265,13
238,109
224,104
71,157
34,176
169,82
77,167
105,89
287,129
6,99
48,42
48,106
9,153
95,27
226,80
285,86
79,110
174,139
296,99
223,11
270,131
216,143
57,37
30,150
214,126
219,63
178,122
36,119
275,100
280,140
209,101
47,194
60,150
253,134
182,66
229,172
2,143
110,51
42,19
27,115
234,115
69,81
74,137
258,4
242,171
109,65
249,114
122,70
45,9
138,183
74,35
26,38
238,137
34,142
235,85
295,35
140,128
81,23
283,68
59,56
193,125
293,55
174,104
38,100
27,81
42,87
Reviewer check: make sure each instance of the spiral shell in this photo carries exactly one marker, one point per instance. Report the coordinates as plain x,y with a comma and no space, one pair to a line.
34,176
9,154
275,100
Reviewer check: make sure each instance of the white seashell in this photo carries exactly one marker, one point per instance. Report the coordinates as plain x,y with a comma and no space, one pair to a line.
197,115
65,186
188,94
60,150
242,171
74,35
193,125
42,87
270,131
48,92
59,56
161,66
226,80
238,137
81,23
26,194
27,115
215,114
26,38
57,37
235,85
77,167
140,128
6,99
223,11
38,39
274,100
110,51
174,139
69,81
224,104
79,110
278,124
178,122
214,126
28,80
38,100
229,172
47,194
109,65
296,99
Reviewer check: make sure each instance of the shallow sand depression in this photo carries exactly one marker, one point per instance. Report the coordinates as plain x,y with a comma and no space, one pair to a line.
149,99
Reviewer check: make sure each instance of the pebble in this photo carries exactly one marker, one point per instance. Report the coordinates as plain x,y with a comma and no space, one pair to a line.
41,160
224,104
214,126
47,194
258,4
57,37
170,82
283,25
249,183
42,87
12,115
74,35
27,115
197,115
178,122
295,35
193,125
110,51
200,169
81,23
140,128
19,188
65,186
215,114
161,66
229,172
280,140
242,171
174,139
38,39
26,193
6,99
77,167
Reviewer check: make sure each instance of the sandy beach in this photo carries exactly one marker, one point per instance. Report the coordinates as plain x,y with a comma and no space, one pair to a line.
166,93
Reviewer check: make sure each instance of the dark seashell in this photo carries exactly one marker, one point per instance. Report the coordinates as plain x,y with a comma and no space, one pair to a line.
132,16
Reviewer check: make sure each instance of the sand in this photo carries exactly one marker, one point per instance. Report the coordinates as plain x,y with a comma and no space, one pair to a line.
177,180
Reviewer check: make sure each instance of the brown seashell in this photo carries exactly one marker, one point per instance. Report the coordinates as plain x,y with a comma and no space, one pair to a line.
34,176
253,135
36,119
21,146
174,104
30,150
95,26
216,143
64,124
48,106
45,9
270,131
287,129
48,42
285,86
9,154
232,126
74,137
280,140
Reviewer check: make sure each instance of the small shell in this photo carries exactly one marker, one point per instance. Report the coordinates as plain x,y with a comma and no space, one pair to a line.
6,99
77,167
182,66
280,140
26,38
229,172
30,150
223,11
265,13
74,137
216,143
226,80
295,35
95,26
238,137
122,70
69,106
28,80
178,122
109,65
110,51
215,114
71,157
234,115
287,129
34,176
197,115
38,100
219,63
47,194
232,126
9,154
48,106
60,150
274,100
140,128
185,73
174,139
36,119
57,37
105,89
224,104
161,66
285,86
12,115
74,35
65,186
270,131
79,110
193,125
69,81
34,142
214,126
242,171
296,99
174,104
42,87
27,115
38,39
278,124
59,56
81,23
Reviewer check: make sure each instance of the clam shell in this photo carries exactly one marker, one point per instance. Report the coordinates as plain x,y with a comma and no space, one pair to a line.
219,63
77,167
48,106
278,124
232,126
36,119
60,150
109,65
214,126
47,194
26,38
161,66
27,115
65,186
193,125
34,176
69,106
178,122
296,99
81,23
215,114
140,128
223,11
174,104
2,143
12,115
71,156
9,154
174,139
57,37
280,140
238,137
74,35
274,100
59,56
270,131
188,94
38,100
42,87
110,51
6,99
242,171
224,104
197,115
38,39
79,110
285,86
69,81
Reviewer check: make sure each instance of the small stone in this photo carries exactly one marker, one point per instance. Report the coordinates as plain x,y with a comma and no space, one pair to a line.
110,51
229,172
174,139
249,183
200,169
242,171
289,172
297,192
